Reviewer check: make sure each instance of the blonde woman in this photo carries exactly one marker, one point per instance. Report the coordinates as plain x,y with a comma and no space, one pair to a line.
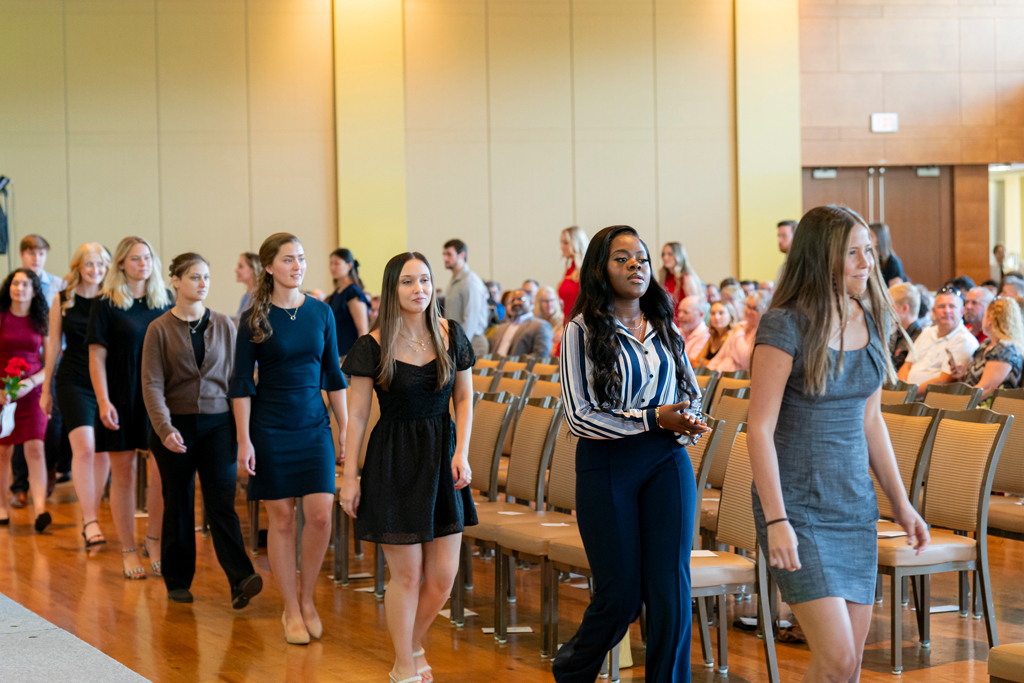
574,245
283,429
76,400
721,319
133,296
248,273
735,353
413,496
998,362
678,277
549,307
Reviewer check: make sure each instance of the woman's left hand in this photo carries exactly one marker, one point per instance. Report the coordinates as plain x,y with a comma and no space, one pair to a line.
461,472
917,531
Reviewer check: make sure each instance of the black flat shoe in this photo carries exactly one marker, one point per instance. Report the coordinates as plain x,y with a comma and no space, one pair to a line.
5,522
180,595
246,590
43,521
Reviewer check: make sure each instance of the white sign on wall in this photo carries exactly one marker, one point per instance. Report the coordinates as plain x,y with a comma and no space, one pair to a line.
885,123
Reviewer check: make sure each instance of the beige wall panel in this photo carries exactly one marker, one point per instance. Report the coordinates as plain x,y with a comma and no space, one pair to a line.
1010,44
696,129
614,114
111,67
32,55
923,99
205,208
446,141
531,138
978,99
840,99
114,187
977,44
819,43
291,116
898,44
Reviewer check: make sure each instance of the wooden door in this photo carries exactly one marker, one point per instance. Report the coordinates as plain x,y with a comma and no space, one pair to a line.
850,188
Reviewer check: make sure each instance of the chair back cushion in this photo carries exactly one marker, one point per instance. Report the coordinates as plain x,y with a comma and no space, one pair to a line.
483,441
736,512
723,384
936,399
544,368
955,473
907,433
892,397
528,452
562,481
1010,468
542,388
733,411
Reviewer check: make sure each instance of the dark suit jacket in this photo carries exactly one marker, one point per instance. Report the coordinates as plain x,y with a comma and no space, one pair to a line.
533,338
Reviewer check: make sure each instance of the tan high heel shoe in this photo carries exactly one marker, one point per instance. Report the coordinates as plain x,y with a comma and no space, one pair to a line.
293,640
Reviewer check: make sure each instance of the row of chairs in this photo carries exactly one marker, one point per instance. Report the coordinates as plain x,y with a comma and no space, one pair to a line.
538,365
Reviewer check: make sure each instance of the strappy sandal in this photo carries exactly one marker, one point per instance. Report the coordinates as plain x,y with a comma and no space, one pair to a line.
423,672
155,566
90,541
410,679
136,574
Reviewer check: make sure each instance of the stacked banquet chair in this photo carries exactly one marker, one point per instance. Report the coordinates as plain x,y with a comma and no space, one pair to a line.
898,392
1006,511
956,396
960,471
706,381
732,408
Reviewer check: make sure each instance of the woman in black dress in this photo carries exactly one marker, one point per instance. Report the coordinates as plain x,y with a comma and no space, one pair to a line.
413,496
76,400
132,297
349,302
284,431
888,261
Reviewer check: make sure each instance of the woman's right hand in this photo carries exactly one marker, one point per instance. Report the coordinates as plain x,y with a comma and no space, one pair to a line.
349,496
174,443
247,457
782,547
108,416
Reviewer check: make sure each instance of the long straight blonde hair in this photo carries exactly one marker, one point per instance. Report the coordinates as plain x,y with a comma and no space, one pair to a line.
115,284
389,322
684,274
74,277
579,242
813,283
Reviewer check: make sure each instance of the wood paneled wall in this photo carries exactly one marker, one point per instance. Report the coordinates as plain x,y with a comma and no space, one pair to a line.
202,125
954,72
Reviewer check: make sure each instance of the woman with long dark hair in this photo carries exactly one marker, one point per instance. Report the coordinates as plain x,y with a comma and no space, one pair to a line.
76,400
628,388
284,431
132,297
816,428
888,261
349,302
413,496
24,326
186,368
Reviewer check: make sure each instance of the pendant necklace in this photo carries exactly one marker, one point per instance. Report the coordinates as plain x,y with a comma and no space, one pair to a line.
198,323
293,313
417,345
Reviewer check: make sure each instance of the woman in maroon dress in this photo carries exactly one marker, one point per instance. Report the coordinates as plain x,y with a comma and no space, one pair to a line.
23,334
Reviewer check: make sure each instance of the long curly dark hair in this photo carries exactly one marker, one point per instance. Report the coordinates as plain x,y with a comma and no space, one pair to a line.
39,311
595,302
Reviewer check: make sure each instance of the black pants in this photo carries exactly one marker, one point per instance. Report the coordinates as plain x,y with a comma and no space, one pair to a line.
212,453
635,502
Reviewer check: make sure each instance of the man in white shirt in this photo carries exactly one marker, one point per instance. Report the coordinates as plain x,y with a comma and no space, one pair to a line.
465,302
690,316
521,334
945,344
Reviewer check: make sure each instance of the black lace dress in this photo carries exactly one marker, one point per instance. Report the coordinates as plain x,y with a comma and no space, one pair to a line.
407,494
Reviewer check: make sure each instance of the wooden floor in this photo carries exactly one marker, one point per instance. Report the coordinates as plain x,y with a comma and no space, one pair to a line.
52,575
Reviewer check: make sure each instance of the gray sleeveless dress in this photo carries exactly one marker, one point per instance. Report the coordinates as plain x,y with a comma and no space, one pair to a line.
824,470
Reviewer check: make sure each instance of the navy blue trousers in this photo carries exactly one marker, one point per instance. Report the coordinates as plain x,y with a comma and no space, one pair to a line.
635,502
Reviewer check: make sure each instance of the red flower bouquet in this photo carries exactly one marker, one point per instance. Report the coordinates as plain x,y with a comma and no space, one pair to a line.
16,369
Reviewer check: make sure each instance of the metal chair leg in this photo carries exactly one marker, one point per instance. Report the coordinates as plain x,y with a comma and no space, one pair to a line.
723,637
896,620
553,617
765,617
345,524
336,522
458,613
976,596
545,606
964,590
705,634
878,589
906,591
924,607
254,527
985,590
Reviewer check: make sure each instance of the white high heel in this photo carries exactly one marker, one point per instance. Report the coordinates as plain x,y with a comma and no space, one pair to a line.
425,669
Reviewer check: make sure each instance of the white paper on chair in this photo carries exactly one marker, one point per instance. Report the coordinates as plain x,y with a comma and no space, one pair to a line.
506,512
367,589
361,575
553,524
891,534
701,553
511,629
579,585
447,613
752,621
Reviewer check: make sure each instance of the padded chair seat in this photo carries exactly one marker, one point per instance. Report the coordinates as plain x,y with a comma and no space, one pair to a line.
888,526
533,538
1006,514
1007,662
712,494
569,550
709,516
491,519
945,546
723,568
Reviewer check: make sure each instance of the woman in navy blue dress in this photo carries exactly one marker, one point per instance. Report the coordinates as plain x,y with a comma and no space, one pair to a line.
284,431
349,303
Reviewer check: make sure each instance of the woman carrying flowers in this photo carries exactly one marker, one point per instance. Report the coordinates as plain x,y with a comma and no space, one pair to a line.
23,334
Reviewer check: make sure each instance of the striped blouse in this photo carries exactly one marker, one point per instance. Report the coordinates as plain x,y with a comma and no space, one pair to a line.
648,373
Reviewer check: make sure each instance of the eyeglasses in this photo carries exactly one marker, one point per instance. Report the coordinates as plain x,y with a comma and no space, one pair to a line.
950,289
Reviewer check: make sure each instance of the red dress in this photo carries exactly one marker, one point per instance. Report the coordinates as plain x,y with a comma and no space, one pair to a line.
568,291
19,339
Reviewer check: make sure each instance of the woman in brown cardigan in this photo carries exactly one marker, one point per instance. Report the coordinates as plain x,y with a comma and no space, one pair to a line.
186,368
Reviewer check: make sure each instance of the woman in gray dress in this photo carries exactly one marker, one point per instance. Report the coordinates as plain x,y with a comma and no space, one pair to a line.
815,428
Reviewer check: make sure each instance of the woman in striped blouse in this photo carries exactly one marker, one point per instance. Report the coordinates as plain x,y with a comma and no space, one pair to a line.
631,397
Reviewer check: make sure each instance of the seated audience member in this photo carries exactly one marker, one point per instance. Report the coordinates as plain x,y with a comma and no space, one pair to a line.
767,286
713,294
532,287
690,318
999,254
975,303
1013,287
496,311
907,301
727,282
749,286
522,334
735,353
998,362
962,282
734,295
721,319
943,347
924,316
374,310
992,286
549,307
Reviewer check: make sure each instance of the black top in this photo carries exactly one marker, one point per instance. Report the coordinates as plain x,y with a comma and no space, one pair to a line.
198,343
74,364
346,326
893,268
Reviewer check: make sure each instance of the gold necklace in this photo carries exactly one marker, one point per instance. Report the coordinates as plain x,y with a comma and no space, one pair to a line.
638,326
414,342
